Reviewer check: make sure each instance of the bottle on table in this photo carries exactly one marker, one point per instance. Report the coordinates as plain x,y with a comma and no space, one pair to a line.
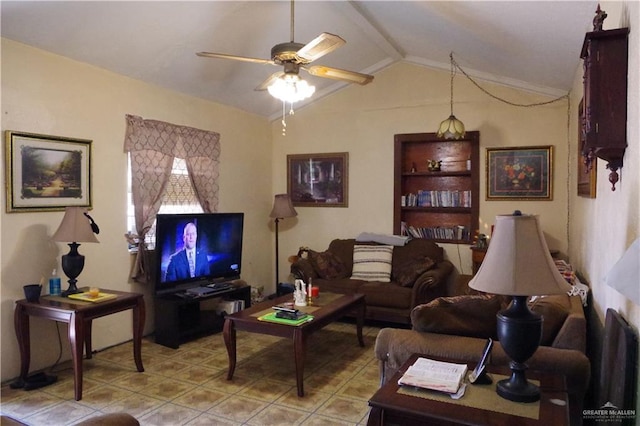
54,283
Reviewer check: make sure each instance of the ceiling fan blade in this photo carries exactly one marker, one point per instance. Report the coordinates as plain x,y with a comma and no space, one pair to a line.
265,84
235,57
339,74
320,46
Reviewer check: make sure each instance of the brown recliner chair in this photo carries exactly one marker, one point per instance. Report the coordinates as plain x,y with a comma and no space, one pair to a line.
456,328
112,419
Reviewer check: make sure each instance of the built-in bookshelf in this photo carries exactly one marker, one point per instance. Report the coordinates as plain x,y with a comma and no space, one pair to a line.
437,187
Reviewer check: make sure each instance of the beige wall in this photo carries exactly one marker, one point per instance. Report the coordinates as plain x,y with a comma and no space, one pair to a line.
604,227
48,94
405,98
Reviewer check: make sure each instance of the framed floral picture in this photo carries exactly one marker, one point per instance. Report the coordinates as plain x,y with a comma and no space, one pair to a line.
523,173
318,180
46,173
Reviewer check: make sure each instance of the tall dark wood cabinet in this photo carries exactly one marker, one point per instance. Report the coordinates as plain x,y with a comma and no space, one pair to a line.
437,187
605,98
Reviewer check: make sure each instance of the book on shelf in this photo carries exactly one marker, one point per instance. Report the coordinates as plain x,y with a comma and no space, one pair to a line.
459,232
228,307
443,198
434,375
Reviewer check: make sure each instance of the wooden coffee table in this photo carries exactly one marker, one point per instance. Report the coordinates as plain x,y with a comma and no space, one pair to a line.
327,308
390,405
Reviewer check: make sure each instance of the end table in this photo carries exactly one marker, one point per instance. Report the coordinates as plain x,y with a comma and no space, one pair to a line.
79,315
390,406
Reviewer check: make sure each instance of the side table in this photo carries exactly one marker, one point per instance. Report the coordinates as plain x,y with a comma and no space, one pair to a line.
391,406
477,256
79,315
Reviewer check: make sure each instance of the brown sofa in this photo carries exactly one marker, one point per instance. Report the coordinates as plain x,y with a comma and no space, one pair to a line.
456,328
419,274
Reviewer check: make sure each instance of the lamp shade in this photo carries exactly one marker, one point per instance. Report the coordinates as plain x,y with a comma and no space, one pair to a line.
75,227
282,207
518,262
451,128
624,274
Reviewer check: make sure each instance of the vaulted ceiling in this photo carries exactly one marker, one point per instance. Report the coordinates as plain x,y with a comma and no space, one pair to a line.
534,45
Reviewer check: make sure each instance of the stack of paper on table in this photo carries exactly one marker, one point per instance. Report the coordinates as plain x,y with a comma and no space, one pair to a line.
434,375
87,297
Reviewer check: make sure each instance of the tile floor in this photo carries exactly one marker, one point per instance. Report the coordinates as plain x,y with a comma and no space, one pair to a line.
188,386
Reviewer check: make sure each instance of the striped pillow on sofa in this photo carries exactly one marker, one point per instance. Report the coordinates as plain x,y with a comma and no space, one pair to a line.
372,262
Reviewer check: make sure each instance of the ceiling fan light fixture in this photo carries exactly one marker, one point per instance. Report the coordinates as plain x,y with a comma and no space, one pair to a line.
291,88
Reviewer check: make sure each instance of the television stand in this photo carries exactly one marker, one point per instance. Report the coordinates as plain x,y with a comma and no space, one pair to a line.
179,318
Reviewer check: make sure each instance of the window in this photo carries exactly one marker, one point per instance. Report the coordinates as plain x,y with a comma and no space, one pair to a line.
179,197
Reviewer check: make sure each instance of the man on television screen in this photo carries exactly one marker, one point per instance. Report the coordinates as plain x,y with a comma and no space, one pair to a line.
188,262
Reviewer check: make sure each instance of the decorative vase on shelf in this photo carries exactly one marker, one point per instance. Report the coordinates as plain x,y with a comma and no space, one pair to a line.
434,165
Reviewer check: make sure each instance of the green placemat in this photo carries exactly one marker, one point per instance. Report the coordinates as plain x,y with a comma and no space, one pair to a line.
271,317
305,309
483,397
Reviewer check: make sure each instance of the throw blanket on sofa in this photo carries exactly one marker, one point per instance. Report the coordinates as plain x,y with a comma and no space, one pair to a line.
392,240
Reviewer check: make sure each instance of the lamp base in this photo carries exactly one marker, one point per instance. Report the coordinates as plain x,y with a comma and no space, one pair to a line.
71,290
72,265
516,388
519,331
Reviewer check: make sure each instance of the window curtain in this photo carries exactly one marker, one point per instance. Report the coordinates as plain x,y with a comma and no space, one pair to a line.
152,146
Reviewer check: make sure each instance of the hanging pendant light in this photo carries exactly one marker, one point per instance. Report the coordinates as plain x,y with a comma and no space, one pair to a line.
451,128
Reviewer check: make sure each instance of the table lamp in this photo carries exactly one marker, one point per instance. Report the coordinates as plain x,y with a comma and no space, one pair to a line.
282,208
518,264
76,226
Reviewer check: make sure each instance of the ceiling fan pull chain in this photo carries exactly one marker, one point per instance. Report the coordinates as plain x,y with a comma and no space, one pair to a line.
284,121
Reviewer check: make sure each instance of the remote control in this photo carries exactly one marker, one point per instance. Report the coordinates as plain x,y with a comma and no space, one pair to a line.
283,309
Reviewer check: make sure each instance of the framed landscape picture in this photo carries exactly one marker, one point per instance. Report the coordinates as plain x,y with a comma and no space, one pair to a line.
46,173
523,173
318,180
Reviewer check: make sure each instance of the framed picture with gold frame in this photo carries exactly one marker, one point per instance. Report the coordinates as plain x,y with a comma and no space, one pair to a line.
46,173
318,180
522,173
587,176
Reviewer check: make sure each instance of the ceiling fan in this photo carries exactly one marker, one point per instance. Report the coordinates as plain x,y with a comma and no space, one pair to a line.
295,56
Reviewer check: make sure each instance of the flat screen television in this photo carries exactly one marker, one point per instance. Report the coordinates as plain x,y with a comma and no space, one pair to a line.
215,243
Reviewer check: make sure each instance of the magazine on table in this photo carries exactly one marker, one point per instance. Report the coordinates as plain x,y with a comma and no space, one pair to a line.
435,375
